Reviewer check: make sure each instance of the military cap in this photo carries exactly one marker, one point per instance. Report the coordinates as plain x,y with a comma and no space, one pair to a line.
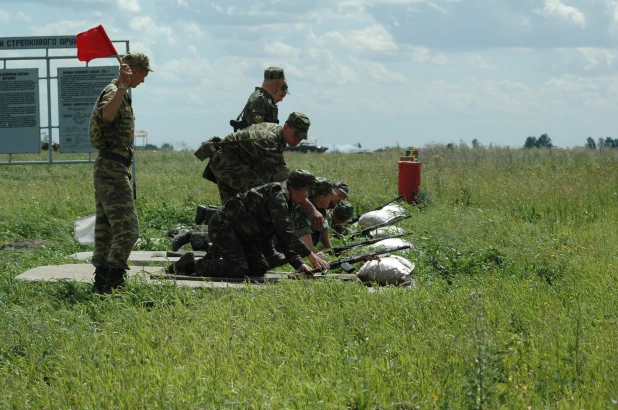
323,187
300,178
343,211
137,58
274,73
300,124
344,187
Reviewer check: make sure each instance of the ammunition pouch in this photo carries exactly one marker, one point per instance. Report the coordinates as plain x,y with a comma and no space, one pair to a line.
208,148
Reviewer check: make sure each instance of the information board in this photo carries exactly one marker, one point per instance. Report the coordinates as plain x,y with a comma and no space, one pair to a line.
78,90
19,111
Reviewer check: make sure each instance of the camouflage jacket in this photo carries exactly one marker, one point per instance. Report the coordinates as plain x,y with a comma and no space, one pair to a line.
253,154
116,136
260,108
302,222
260,213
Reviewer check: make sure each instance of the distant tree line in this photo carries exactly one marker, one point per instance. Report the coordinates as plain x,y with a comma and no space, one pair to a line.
603,143
164,147
542,142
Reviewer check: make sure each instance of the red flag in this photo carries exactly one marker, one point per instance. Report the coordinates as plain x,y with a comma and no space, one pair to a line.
94,43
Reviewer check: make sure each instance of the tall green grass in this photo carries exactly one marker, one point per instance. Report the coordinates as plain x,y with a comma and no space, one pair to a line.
514,306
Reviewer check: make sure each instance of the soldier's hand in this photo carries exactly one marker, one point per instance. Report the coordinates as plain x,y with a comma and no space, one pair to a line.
317,220
318,263
305,269
125,74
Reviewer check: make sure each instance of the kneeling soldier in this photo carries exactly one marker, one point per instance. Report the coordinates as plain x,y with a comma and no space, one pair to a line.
246,220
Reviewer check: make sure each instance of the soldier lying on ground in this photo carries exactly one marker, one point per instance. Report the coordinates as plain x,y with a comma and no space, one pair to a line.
339,217
246,220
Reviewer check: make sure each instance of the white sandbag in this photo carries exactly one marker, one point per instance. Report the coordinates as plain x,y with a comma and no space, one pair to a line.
374,218
395,209
84,230
387,231
391,243
388,270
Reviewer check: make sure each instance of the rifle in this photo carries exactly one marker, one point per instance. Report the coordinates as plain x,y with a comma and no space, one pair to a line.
345,263
340,249
366,231
237,125
353,221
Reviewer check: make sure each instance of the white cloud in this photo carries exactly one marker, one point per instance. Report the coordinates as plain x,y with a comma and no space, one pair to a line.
192,30
23,17
4,16
149,29
131,6
597,57
481,62
279,49
63,27
554,8
373,38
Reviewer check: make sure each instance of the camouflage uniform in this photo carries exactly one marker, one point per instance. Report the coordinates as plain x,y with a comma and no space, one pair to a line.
302,221
261,106
240,166
253,156
116,227
239,229
342,212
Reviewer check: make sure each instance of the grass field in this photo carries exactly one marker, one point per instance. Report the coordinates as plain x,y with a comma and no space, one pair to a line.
515,304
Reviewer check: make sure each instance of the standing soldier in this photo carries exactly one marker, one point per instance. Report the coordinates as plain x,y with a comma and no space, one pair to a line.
111,132
262,103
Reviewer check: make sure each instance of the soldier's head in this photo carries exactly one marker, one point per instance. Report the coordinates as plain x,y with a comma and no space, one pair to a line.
342,213
283,91
274,78
140,67
342,189
295,128
299,184
322,193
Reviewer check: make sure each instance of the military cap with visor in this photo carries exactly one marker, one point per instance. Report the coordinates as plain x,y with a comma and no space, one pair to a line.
323,187
343,211
137,59
274,73
300,124
344,187
300,178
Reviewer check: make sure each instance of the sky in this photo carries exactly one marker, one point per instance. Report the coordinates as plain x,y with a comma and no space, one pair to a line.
375,72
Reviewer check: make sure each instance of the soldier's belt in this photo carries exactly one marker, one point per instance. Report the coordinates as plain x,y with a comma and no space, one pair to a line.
115,157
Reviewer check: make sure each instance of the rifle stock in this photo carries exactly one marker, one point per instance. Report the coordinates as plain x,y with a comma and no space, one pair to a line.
353,221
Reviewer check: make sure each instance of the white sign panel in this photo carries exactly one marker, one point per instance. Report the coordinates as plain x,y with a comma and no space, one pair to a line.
78,90
19,111
21,43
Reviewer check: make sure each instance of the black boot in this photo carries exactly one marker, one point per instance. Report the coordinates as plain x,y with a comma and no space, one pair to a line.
200,215
100,278
185,265
183,238
115,280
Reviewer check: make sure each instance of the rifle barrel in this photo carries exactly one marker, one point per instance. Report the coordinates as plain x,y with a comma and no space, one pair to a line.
353,221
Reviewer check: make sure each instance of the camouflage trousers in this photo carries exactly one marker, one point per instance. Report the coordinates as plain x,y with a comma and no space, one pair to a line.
238,258
199,241
116,226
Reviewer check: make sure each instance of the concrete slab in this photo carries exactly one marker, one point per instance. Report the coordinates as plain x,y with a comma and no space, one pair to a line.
83,272
137,258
